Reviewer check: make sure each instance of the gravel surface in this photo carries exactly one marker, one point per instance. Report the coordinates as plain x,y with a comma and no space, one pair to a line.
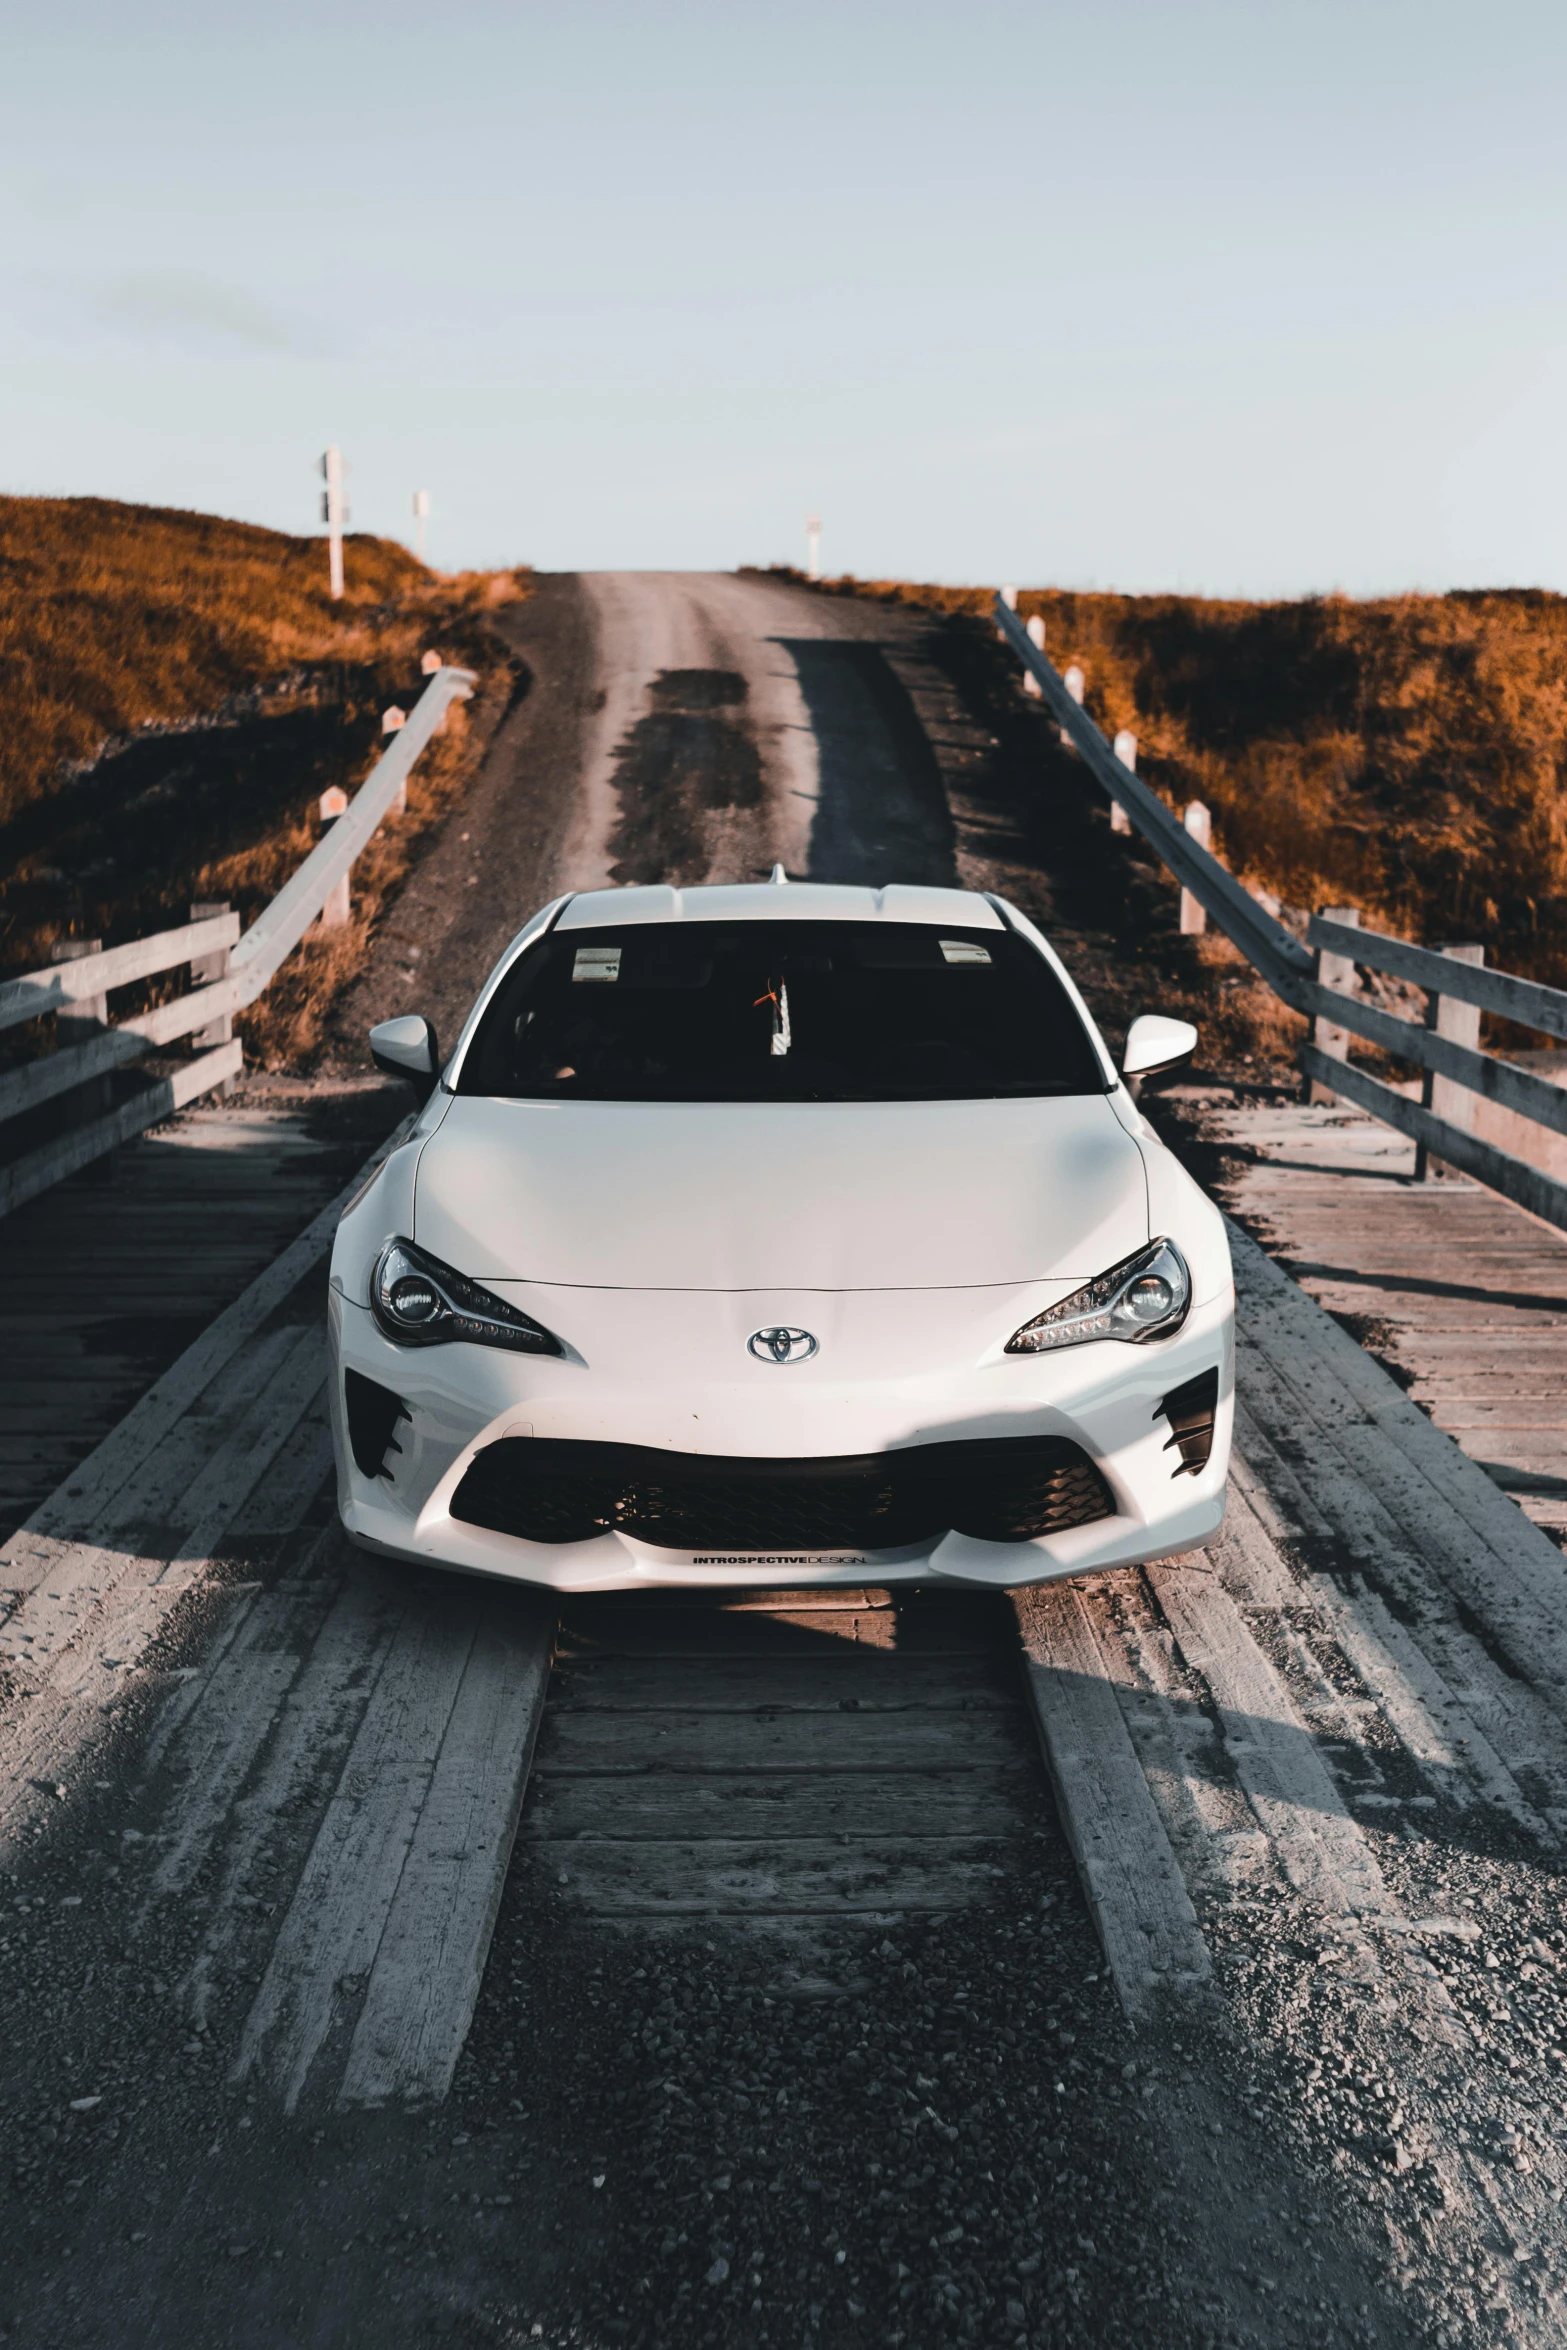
925,2128
918,2131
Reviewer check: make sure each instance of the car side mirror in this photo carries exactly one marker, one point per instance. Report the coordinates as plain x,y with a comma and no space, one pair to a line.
406,1047
1153,1042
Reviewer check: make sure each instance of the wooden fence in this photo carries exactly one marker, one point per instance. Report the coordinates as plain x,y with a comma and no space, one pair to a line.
1318,978
229,971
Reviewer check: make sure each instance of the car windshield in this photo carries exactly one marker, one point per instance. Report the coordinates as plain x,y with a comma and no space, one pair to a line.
780,1011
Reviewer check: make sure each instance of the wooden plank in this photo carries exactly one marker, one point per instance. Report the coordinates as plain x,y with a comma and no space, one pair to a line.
285,1798
82,1577
604,1743
77,1508
1147,1926
429,1961
1514,1722
1275,1756
843,1677
1474,1319
781,1805
56,989
922,1623
328,1940
1519,1348
698,1636
299,1476
718,1877
1352,1252
210,1744
1442,1496
215,1497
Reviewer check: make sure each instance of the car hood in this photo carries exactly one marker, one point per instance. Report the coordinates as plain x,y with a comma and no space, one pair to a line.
832,1195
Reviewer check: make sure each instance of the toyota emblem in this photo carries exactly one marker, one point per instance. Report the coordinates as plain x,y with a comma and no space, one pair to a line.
781,1345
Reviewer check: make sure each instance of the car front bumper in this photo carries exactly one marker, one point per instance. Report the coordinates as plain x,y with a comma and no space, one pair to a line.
871,1390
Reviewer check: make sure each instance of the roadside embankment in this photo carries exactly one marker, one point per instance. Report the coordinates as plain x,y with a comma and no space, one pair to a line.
180,691
1402,754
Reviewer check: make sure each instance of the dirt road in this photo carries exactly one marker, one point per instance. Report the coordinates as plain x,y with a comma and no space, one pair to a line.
675,727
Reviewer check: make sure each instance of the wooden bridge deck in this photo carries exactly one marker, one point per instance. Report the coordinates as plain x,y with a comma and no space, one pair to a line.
104,1282
1460,1294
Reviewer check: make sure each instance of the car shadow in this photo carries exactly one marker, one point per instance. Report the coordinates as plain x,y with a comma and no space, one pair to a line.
883,813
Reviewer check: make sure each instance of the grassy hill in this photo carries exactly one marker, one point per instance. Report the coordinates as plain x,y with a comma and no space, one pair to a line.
179,691
1406,754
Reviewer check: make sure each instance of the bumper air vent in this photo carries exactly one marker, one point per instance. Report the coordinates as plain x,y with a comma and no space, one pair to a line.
372,1412
1191,1410
1004,1489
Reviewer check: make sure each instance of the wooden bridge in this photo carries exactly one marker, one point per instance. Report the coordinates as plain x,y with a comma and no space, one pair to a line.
1315,1779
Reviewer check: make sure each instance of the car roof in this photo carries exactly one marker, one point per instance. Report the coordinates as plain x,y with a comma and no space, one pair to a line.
768,901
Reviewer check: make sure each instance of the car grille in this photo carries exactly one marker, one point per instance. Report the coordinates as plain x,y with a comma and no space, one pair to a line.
1003,1489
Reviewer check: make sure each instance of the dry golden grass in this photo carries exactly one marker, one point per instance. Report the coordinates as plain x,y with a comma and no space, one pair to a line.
180,691
1405,754
114,618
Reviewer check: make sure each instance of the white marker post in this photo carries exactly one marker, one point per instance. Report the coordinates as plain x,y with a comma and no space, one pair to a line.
1009,598
393,720
1126,752
1198,822
421,517
1074,681
334,803
334,513
1036,637
813,546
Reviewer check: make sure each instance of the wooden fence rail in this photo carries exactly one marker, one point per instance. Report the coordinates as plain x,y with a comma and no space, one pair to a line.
65,984
242,966
1293,971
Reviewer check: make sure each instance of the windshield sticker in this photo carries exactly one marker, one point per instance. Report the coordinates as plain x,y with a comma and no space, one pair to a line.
964,950
599,963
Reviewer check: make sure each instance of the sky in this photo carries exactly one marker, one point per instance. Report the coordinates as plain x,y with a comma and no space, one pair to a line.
1262,299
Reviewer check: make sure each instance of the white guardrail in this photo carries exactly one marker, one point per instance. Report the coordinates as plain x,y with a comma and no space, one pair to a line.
233,970
1317,979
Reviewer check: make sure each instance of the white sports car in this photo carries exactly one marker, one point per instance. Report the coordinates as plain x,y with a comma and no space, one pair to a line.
780,1235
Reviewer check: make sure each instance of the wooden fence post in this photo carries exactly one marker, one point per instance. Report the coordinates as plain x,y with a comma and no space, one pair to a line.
1036,636
335,913
1441,1095
204,968
1194,915
1126,752
88,1017
1337,972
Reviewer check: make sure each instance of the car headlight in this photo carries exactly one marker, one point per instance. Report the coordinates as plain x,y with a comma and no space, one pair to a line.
418,1301
1144,1297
